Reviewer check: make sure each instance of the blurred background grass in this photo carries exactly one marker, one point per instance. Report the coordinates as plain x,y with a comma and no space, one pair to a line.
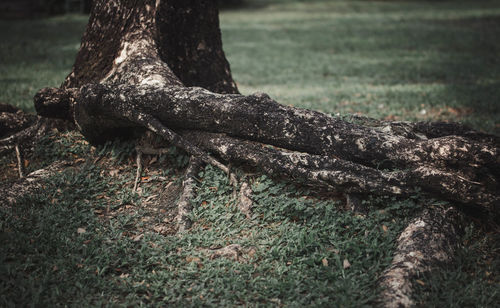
402,60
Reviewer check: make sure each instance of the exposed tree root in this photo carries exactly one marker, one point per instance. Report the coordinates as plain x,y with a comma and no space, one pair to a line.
10,192
184,204
20,162
22,130
138,161
339,174
244,201
429,240
13,120
381,157
157,73
8,144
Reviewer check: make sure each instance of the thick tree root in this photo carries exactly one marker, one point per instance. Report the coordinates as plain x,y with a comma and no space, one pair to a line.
429,240
146,78
338,174
258,117
140,84
381,157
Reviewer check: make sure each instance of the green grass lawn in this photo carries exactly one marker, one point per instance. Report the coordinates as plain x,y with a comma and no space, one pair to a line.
406,60
88,240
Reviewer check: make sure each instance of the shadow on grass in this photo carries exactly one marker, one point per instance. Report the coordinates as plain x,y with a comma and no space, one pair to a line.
35,54
473,73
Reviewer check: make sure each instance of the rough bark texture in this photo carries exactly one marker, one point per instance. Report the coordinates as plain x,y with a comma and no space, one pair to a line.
184,34
429,240
393,158
163,69
194,50
13,120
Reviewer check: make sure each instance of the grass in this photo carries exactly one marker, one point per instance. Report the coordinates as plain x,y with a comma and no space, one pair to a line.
88,240
407,60
298,243
35,54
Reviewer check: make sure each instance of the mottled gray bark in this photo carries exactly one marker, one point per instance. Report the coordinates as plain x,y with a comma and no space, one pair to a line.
430,239
163,70
393,158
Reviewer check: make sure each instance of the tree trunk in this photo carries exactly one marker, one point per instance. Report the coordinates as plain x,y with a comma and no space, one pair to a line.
159,65
181,38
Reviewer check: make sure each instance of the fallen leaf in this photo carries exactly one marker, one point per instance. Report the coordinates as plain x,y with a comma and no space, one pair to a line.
80,230
346,264
384,227
325,262
420,282
137,238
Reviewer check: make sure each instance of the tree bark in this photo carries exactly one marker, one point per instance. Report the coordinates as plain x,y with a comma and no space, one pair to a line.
159,66
429,239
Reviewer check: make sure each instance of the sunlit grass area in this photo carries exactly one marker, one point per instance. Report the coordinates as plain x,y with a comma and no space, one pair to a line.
87,239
